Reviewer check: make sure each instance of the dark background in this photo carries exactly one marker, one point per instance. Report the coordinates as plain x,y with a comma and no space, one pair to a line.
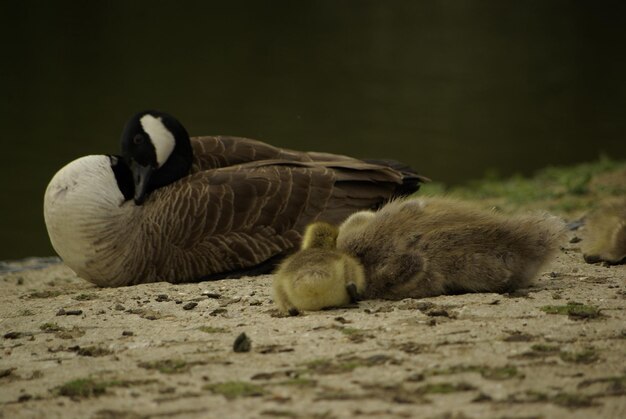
455,88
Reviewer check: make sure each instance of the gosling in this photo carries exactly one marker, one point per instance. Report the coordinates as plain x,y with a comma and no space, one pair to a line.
431,246
318,276
604,236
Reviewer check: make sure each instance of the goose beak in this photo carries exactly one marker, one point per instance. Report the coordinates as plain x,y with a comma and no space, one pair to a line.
141,178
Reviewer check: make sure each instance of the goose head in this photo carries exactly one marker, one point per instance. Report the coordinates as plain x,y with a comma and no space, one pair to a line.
157,149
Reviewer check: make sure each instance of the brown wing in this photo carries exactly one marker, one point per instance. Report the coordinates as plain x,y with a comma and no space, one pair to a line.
211,152
238,217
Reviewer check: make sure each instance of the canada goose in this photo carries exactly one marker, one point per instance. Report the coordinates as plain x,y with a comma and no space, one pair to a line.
318,276
431,246
205,208
604,236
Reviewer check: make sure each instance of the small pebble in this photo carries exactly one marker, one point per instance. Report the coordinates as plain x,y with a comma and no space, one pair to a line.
242,343
119,307
162,297
190,305
213,295
127,333
63,312
24,398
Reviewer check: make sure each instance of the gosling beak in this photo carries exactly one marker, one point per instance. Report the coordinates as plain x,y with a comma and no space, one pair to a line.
141,178
352,293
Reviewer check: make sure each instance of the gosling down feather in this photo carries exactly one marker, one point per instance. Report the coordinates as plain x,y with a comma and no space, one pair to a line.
318,276
604,238
432,246
176,209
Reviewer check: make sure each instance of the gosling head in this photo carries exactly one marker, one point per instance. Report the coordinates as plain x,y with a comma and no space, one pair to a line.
157,149
320,235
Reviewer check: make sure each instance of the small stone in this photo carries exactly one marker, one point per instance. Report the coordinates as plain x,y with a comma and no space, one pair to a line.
127,333
242,343
213,295
119,307
415,378
342,320
575,239
13,335
190,305
63,312
438,312
554,275
162,297
24,398
178,301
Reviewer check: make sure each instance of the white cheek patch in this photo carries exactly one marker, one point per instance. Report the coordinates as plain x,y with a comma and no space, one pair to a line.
161,137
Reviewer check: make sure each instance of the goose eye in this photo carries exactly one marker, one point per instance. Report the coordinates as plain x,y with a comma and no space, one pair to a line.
137,139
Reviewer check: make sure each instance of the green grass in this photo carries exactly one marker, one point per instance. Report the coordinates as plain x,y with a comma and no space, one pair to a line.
574,310
82,388
210,329
235,389
491,373
445,388
167,366
85,297
586,356
557,189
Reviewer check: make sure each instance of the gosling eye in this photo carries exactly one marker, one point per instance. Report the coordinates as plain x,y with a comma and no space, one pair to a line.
138,139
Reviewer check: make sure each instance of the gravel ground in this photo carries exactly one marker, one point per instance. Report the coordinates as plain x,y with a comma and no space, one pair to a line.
70,349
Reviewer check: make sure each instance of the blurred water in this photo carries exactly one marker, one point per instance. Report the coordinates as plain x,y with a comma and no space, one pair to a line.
454,88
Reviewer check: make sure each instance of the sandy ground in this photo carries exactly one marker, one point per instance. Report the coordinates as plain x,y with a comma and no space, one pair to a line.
70,349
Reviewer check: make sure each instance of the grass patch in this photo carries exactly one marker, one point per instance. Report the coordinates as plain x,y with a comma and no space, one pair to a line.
341,365
85,297
82,388
574,310
327,366
546,349
168,366
235,389
445,388
586,356
298,382
491,373
94,351
211,329
562,189
572,400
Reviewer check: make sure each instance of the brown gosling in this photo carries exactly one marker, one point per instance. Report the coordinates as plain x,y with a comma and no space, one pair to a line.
318,276
432,246
605,234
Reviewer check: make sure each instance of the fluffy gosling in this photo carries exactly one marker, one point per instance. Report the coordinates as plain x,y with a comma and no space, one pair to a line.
318,276
604,236
432,246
